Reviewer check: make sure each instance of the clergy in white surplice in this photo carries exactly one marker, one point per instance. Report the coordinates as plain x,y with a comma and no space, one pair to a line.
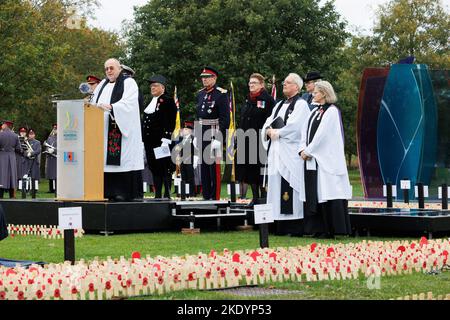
124,159
281,136
327,186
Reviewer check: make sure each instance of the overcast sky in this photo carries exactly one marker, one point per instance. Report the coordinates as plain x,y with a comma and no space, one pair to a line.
359,13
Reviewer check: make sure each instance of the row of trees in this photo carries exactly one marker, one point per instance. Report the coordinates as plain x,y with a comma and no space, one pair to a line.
47,49
43,53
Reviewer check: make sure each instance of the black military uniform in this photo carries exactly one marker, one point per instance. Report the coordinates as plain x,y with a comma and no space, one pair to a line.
159,123
187,150
9,145
51,161
33,159
213,115
253,116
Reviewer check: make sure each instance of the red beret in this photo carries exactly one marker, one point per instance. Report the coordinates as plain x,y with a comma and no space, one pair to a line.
22,129
93,79
8,123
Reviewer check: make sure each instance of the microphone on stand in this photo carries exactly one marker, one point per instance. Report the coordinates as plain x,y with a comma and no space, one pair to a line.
84,88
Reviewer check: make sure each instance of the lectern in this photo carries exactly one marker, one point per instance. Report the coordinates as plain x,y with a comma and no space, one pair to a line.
80,151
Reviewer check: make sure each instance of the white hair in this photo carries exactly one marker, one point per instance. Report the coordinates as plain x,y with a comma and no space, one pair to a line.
327,90
297,80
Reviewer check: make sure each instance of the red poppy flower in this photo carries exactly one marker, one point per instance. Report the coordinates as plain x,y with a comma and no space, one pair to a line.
74,290
191,277
20,295
145,281
57,293
39,294
313,247
236,257
273,255
261,272
222,273
298,270
160,280
129,283
208,274
91,287
249,273
236,272
108,285
2,295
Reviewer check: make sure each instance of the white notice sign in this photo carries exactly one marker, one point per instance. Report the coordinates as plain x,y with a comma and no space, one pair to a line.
263,213
70,218
162,152
405,184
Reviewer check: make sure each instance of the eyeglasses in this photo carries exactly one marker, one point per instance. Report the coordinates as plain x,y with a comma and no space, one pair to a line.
109,68
253,82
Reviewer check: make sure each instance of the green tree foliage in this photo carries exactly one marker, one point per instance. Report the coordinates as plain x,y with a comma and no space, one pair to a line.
41,57
177,38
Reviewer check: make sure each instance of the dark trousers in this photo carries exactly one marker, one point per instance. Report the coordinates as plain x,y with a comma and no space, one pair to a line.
159,181
51,185
188,176
209,184
12,193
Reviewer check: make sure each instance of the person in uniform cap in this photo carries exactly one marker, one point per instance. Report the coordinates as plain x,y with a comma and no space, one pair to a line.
128,71
9,145
93,82
310,78
187,154
124,158
158,124
33,159
214,119
20,157
50,163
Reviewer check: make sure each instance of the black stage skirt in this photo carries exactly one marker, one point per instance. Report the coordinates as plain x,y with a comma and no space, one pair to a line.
125,185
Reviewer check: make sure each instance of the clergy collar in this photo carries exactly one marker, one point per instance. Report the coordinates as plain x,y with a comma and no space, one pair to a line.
291,99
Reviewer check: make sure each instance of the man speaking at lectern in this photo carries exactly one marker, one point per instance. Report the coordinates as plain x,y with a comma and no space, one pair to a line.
124,158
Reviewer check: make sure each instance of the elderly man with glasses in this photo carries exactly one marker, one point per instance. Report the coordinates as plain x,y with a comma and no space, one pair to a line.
124,152
281,135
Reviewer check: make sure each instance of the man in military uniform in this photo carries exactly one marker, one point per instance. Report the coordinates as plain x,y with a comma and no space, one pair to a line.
32,159
9,145
214,118
20,157
50,161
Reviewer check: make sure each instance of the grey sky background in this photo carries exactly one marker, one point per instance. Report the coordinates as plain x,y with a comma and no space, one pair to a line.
360,14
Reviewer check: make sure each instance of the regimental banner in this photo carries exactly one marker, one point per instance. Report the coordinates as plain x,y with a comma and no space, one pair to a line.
70,163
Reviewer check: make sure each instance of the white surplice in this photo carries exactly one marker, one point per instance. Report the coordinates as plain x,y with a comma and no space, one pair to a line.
283,159
327,149
127,117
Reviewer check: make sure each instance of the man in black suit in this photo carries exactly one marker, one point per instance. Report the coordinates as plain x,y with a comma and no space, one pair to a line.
158,124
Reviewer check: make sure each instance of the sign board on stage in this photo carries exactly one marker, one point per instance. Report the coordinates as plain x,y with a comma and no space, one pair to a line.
405,184
440,192
70,218
394,191
263,213
425,191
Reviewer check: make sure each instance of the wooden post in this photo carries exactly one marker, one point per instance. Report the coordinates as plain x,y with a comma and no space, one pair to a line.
264,235
69,246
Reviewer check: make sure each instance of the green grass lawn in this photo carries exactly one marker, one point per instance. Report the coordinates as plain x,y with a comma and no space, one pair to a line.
177,244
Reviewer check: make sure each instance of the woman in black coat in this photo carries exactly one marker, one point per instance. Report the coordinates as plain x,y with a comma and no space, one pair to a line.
257,108
158,124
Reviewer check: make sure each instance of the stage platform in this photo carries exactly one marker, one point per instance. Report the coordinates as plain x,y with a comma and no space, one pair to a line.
172,215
